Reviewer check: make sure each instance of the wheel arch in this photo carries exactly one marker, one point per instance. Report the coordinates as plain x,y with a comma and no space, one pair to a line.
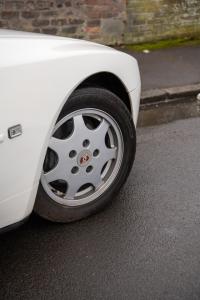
109,81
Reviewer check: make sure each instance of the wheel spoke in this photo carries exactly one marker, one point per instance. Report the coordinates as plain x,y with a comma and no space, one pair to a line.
110,153
79,125
102,129
73,188
96,179
52,175
56,145
106,155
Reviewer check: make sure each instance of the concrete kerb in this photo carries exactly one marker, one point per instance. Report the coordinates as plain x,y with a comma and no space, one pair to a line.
168,104
170,94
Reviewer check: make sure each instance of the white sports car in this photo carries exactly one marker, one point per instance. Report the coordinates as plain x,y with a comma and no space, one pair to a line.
68,114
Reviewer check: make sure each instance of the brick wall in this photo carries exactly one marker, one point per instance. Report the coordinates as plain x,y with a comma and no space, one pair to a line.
101,20
107,21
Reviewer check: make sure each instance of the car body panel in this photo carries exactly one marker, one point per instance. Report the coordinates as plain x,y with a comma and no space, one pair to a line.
38,73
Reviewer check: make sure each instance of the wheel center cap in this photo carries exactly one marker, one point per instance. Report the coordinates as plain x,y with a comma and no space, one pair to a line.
84,158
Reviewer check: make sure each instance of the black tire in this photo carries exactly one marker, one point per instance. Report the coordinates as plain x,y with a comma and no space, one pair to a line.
108,102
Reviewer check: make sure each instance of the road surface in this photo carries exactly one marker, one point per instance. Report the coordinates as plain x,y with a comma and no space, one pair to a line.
146,245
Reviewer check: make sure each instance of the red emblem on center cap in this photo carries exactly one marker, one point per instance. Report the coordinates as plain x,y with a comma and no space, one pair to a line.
84,159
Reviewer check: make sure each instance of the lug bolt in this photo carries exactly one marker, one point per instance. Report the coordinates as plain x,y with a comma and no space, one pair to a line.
86,143
72,154
75,170
89,169
96,153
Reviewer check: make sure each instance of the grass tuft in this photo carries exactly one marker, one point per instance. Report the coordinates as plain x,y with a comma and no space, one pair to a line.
163,44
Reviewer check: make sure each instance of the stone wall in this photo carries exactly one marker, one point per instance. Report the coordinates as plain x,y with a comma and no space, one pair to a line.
149,20
106,21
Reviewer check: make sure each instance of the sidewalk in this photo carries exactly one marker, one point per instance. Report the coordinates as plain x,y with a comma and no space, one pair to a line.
170,84
169,67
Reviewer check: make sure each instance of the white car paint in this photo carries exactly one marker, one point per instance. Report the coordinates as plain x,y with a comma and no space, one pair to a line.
37,75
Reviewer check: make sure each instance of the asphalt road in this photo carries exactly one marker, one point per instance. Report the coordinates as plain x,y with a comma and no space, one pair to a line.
146,245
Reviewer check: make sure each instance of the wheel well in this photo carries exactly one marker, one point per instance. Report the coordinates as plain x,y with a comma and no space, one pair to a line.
110,82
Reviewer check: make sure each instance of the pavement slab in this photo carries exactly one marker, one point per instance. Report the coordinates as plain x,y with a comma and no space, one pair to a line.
172,67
